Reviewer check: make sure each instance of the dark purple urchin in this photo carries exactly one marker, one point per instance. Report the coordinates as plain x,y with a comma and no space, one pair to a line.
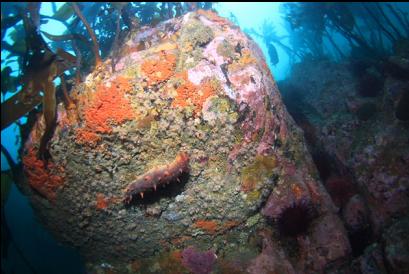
296,218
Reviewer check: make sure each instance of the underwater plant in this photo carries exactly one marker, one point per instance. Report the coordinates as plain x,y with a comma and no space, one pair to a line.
40,67
270,39
367,26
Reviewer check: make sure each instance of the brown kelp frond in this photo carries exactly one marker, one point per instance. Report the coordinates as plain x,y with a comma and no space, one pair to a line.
35,67
34,10
15,107
56,68
95,48
62,15
66,37
34,81
68,102
36,77
49,110
40,67
65,60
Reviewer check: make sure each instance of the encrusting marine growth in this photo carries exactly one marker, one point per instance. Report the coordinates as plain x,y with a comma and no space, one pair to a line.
157,177
219,123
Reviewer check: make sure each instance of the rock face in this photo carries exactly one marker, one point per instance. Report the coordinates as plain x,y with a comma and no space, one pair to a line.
118,190
360,146
363,138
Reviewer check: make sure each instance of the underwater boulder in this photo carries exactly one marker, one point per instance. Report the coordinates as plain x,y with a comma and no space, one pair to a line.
272,258
355,214
372,260
181,145
396,246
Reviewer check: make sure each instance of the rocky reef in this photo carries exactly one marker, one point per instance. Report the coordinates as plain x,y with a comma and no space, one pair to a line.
351,118
192,99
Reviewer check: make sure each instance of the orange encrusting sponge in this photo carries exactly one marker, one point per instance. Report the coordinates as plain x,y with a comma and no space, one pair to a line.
41,178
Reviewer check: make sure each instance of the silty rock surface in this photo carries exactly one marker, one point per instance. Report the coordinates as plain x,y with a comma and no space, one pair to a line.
194,86
360,145
361,134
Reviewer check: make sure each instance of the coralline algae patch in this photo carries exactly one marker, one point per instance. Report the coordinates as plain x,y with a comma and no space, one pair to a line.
178,108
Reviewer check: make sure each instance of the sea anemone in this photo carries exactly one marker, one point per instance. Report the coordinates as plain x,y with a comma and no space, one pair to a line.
296,218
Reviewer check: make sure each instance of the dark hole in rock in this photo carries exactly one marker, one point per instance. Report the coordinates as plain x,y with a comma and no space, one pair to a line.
360,240
170,190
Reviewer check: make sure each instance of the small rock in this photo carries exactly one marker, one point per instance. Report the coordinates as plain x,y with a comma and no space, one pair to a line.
372,260
153,211
180,198
355,213
397,246
133,236
171,216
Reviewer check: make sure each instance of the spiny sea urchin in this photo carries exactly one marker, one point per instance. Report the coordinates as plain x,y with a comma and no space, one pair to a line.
296,218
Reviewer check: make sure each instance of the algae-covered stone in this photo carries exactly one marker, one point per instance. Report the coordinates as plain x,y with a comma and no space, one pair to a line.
193,37
171,149
226,49
195,34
